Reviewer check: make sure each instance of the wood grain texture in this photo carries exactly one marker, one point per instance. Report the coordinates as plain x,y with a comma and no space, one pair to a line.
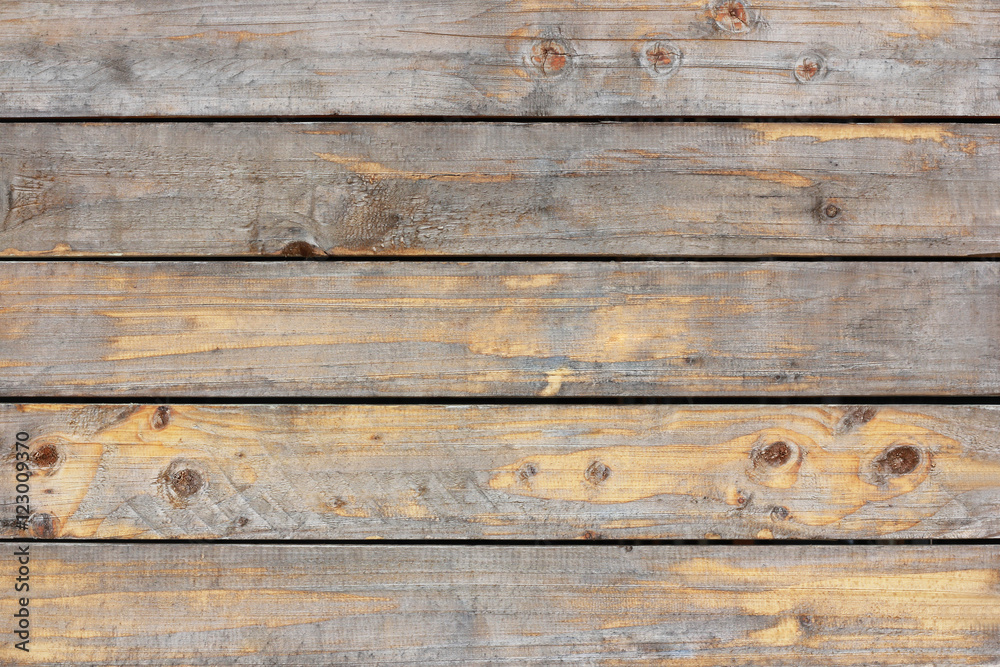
128,604
503,471
545,329
498,58
632,189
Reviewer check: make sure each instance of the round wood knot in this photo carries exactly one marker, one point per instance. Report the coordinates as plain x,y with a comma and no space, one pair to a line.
775,454
43,525
160,418
735,16
660,58
597,473
898,460
45,457
831,211
810,68
550,56
183,480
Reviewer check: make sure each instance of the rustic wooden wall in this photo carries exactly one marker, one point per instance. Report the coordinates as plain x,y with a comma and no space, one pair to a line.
516,332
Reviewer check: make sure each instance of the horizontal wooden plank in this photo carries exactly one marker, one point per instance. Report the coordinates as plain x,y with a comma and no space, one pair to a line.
500,471
545,329
170,604
498,58
632,189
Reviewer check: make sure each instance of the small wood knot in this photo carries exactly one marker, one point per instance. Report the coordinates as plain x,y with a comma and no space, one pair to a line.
160,418
779,513
831,211
301,249
898,460
43,525
810,68
660,58
45,457
242,521
775,454
597,473
734,16
550,56
182,481
527,471
185,482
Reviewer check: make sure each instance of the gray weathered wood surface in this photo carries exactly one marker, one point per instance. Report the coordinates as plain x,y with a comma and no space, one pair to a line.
200,604
545,329
505,471
498,58
639,189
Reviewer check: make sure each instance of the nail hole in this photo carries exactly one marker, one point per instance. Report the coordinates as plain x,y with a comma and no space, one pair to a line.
527,471
597,472
898,460
831,211
779,513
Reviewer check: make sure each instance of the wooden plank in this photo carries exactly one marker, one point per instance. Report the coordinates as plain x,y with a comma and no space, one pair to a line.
633,189
201,604
499,58
122,329
501,471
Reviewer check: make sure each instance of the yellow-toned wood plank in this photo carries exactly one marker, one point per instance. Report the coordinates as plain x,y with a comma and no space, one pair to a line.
240,329
89,58
639,189
200,604
500,471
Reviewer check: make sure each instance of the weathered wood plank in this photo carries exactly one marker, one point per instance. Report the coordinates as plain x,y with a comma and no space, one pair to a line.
128,604
494,189
123,329
500,57
502,471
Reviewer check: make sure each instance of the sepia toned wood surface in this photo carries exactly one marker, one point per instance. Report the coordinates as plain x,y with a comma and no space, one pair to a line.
544,329
209,604
133,471
177,58
490,189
